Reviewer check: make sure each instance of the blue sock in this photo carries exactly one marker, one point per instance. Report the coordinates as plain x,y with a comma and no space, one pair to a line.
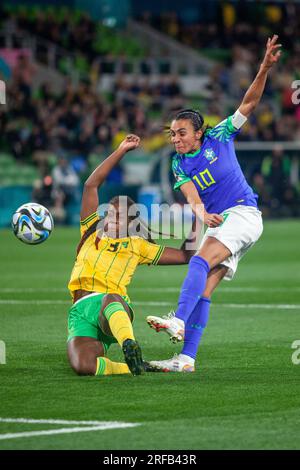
192,287
195,326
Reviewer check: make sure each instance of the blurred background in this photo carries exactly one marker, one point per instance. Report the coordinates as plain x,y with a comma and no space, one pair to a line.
79,75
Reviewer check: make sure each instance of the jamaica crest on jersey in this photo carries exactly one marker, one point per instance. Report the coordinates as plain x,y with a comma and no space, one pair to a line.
210,155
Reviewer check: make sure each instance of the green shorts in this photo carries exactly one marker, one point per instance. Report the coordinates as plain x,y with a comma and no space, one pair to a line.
84,320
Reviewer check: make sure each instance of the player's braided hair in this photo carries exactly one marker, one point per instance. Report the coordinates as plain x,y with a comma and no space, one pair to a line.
196,119
144,229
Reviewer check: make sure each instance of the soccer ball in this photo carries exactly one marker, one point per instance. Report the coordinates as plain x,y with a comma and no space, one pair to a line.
32,223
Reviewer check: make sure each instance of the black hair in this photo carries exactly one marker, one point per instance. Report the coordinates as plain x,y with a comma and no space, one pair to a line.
196,119
144,229
194,116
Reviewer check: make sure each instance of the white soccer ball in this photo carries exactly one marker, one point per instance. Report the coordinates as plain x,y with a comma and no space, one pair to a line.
32,223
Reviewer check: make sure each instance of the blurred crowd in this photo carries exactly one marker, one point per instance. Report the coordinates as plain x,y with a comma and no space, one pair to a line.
236,33
68,32
73,31
60,133
271,180
237,29
80,120
225,24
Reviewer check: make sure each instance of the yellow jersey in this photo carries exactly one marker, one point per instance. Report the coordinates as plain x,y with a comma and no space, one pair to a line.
107,265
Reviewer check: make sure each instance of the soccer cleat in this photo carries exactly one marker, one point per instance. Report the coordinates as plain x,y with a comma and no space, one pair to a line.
175,364
150,368
133,356
173,326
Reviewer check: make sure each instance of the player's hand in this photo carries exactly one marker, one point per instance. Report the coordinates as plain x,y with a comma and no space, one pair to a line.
272,52
131,142
213,220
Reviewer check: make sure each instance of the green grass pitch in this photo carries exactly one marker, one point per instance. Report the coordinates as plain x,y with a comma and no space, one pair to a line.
243,395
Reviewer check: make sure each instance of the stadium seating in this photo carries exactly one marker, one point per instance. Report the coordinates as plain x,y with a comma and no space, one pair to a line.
131,105
13,173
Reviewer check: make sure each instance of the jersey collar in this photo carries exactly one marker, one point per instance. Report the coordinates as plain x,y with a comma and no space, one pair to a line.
190,155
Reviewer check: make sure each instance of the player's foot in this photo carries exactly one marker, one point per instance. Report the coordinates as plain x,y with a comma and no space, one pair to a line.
133,356
175,364
170,324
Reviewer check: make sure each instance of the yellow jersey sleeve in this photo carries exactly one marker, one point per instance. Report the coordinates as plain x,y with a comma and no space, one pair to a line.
150,253
87,222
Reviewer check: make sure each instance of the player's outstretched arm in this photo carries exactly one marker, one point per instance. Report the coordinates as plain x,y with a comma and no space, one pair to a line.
187,250
192,196
90,200
255,91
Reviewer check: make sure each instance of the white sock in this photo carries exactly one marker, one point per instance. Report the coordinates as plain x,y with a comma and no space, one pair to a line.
185,358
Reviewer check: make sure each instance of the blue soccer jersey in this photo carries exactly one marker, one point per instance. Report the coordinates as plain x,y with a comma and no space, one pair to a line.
215,171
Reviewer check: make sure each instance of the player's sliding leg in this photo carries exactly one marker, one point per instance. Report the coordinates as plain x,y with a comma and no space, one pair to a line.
86,356
115,321
107,367
212,253
185,361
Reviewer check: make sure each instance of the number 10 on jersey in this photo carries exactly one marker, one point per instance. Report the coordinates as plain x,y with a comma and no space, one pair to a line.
204,179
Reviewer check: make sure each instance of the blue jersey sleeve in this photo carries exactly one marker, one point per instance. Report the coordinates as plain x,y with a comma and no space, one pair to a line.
180,176
223,132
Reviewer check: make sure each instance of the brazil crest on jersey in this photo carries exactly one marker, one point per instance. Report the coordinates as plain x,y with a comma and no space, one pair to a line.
215,171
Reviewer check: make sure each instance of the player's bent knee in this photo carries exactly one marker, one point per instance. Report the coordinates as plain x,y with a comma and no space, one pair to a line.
107,309
111,298
82,360
83,366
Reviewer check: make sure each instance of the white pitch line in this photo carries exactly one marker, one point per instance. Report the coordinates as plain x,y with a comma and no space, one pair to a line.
263,306
216,304
151,289
155,304
65,431
54,421
258,289
96,426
